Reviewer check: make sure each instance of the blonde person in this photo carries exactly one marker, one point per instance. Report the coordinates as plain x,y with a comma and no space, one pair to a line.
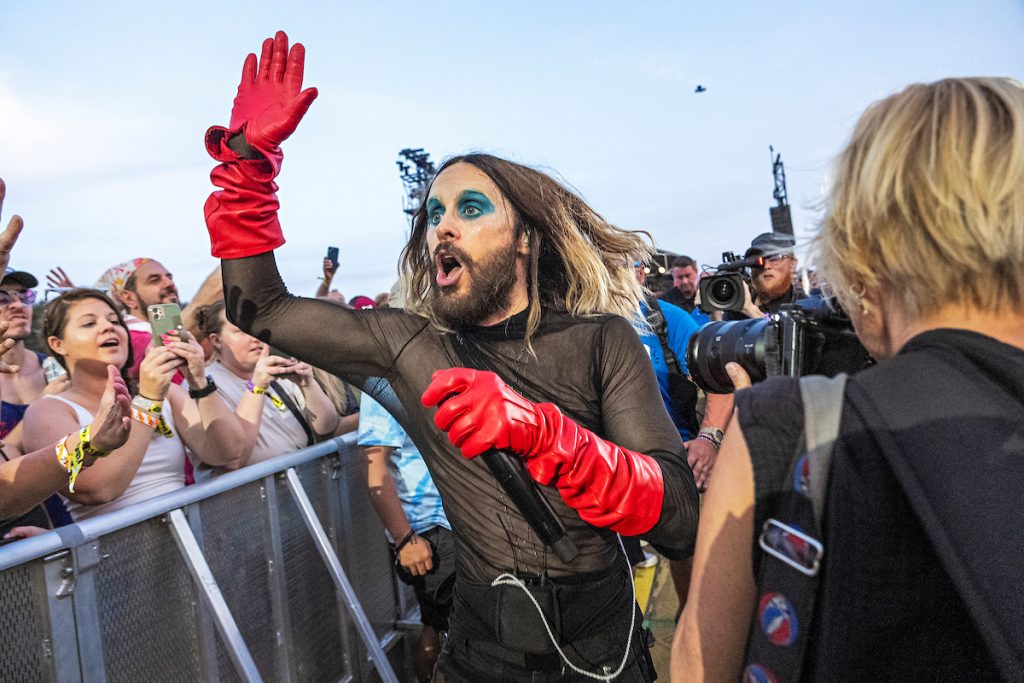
281,407
86,333
923,244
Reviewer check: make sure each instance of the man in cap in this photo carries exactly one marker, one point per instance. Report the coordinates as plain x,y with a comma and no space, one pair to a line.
773,283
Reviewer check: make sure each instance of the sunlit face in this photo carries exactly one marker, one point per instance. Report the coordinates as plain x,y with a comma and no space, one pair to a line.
92,335
238,351
685,280
153,285
479,274
775,278
15,310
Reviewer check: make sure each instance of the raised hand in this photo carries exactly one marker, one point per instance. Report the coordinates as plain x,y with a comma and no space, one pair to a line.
184,345
9,236
156,372
7,344
113,423
58,278
270,102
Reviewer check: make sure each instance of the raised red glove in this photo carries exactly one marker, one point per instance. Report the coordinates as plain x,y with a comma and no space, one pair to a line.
242,219
607,485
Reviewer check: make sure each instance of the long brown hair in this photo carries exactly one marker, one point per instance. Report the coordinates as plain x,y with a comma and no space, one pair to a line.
56,319
571,265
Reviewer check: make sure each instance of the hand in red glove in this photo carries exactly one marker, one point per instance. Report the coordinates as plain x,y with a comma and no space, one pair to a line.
607,485
270,102
242,219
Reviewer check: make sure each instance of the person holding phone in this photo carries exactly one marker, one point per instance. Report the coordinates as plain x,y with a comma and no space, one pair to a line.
86,333
280,405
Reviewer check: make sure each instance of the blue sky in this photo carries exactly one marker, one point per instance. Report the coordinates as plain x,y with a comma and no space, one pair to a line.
103,107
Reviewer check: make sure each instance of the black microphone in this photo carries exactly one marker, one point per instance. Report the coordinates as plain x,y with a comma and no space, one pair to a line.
508,469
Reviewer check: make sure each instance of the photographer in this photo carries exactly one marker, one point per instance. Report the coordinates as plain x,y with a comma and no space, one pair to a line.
772,284
923,243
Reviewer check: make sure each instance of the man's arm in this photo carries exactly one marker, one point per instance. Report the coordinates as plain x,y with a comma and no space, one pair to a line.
210,291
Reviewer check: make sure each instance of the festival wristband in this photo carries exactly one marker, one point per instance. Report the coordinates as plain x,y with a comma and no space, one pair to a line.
155,421
148,405
71,461
85,443
260,391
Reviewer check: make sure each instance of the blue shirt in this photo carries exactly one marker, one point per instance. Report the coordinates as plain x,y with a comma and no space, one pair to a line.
681,327
420,498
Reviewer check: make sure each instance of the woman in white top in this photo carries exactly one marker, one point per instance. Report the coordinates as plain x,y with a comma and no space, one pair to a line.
277,399
85,332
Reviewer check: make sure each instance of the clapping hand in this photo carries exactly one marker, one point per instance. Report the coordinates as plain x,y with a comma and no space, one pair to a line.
113,423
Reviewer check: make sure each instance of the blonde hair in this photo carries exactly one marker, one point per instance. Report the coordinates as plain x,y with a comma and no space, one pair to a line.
567,268
927,202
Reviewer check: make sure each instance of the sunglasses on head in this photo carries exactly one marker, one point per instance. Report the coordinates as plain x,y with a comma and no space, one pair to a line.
27,297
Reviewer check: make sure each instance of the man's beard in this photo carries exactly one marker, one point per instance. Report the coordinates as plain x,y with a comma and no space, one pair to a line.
764,291
168,296
489,289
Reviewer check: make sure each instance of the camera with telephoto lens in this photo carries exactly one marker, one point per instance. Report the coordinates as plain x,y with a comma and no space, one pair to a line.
789,342
723,291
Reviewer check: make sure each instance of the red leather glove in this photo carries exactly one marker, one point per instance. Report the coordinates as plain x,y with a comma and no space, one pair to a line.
607,485
242,218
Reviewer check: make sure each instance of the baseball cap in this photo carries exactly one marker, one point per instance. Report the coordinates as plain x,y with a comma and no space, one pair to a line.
770,244
26,280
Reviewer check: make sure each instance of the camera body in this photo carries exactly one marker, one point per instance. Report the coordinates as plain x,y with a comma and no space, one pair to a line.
788,343
723,291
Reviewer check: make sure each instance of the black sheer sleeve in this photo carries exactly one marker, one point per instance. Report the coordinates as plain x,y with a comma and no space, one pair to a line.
349,343
634,417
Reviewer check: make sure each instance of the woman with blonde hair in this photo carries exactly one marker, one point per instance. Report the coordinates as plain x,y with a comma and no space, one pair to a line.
923,244
86,333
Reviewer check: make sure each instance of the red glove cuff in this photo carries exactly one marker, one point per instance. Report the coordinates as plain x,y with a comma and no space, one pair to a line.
242,216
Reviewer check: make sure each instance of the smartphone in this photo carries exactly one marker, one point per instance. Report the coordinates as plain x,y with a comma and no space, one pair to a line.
164,318
332,256
52,369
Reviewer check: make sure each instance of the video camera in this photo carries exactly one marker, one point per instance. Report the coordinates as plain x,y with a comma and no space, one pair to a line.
789,342
723,291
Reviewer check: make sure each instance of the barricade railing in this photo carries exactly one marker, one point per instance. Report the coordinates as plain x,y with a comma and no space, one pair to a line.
279,571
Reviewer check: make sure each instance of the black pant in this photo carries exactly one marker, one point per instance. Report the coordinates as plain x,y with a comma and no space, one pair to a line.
496,633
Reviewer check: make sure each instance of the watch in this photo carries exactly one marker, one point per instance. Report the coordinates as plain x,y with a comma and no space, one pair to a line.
715,434
205,391
147,405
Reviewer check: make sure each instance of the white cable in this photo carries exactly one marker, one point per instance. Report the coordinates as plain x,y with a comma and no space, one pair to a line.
510,580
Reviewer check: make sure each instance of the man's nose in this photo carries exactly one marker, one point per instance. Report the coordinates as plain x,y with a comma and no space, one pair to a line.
447,229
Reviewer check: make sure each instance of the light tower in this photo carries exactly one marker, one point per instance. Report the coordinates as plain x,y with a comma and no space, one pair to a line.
782,221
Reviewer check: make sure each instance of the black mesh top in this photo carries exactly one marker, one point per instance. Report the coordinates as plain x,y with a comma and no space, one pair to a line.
594,369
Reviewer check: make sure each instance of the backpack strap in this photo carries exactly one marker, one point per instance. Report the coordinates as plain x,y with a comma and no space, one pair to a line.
823,407
792,544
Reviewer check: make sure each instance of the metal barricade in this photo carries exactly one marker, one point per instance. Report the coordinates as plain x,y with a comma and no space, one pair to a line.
279,571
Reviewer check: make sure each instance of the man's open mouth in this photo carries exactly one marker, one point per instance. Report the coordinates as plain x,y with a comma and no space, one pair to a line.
449,269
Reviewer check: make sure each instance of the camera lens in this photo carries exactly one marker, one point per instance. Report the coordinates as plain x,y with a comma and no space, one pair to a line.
751,343
723,290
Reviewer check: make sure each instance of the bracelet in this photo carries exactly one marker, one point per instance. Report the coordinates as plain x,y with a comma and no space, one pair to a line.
404,542
716,434
157,422
210,387
85,441
708,437
71,461
260,391
147,404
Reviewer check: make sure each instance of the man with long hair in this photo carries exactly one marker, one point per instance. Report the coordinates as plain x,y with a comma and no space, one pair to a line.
506,271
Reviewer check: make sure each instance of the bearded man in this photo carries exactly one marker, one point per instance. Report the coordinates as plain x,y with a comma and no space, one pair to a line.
506,266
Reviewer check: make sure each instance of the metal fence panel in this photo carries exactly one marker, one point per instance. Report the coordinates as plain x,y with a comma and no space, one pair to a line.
147,607
235,543
23,623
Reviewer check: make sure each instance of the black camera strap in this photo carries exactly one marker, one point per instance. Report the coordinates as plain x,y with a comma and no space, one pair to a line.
289,403
682,390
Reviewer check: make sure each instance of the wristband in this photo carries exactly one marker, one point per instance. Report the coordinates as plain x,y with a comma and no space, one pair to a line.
205,391
707,437
85,442
714,434
71,461
157,422
260,391
404,542
140,402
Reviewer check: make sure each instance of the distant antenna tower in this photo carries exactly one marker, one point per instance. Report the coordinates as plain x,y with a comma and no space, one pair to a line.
782,221
416,170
